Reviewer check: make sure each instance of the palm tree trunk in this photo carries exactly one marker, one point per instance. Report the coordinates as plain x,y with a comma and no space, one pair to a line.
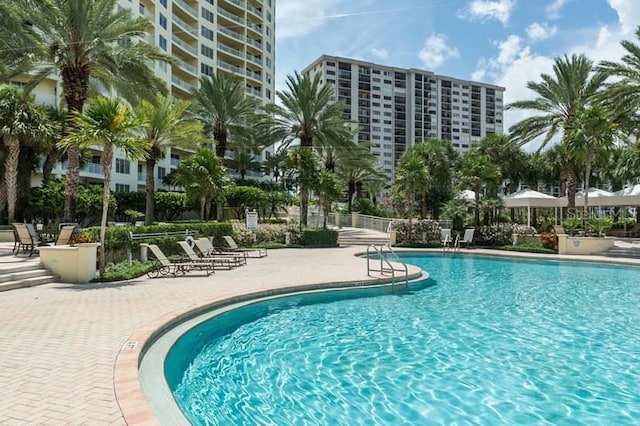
587,174
149,187
304,203
49,162
571,187
11,175
107,159
75,84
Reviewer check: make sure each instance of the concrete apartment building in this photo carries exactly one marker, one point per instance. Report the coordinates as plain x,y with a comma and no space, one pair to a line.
396,108
235,37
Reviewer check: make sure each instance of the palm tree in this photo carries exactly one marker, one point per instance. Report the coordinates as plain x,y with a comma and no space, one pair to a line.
204,178
164,124
106,122
593,132
243,162
411,177
357,169
624,92
274,165
560,99
441,160
507,156
20,122
306,114
84,41
224,109
328,188
476,171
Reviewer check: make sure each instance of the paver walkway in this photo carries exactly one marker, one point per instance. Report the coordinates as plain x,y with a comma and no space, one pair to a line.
58,342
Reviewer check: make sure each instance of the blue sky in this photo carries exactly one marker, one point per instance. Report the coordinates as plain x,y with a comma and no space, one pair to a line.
504,42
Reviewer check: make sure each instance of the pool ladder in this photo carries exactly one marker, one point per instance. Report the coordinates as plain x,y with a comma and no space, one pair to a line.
386,267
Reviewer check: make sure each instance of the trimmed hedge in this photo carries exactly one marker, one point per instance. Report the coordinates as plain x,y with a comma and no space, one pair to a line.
319,237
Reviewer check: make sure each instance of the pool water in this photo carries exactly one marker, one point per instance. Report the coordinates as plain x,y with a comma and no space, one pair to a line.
489,341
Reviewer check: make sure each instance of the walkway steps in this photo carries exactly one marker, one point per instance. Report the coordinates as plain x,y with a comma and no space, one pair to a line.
26,275
626,252
361,237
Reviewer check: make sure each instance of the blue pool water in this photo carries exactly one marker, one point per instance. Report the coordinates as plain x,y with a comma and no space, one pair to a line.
489,341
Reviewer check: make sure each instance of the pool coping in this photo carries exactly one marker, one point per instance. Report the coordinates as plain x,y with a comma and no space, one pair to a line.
130,397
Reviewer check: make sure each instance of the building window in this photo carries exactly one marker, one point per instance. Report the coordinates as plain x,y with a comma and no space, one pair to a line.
120,187
206,51
210,2
163,3
163,21
162,172
207,14
162,42
175,159
123,166
206,69
206,33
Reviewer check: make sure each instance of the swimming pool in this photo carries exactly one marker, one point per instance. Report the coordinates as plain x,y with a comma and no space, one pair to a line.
489,341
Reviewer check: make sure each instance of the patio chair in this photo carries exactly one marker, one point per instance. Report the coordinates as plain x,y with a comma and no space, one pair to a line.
233,246
165,267
25,240
65,234
468,237
226,262
207,249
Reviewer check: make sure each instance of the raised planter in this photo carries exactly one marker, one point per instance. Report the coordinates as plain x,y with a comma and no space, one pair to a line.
583,245
74,264
6,236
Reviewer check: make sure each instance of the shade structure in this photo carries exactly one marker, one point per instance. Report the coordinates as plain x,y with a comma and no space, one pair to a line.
467,195
597,198
529,198
625,197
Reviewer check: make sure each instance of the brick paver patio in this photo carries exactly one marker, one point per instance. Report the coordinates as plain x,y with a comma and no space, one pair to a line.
59,342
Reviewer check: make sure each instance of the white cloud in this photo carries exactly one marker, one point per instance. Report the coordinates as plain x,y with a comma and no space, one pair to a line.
297,19
380,53
553,9
435,51
499,10
537,32
515,62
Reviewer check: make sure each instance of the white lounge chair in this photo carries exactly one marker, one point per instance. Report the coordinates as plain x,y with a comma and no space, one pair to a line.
166,267
468,237
445,238
207,249
233,246
226,262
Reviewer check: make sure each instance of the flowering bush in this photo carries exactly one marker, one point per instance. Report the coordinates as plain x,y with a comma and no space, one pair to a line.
549,240
493,235
422,231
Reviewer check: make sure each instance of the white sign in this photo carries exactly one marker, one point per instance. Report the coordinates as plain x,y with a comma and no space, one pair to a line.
252,220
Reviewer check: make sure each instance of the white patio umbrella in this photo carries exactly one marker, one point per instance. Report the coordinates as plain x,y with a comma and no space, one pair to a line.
626,197
597,197
529,198
467,195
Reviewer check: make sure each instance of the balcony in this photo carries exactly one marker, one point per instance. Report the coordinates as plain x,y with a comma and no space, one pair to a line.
231,16
191,30
184,46
238,3
254,92
188,68
175,161
230,50
229,67
254,75
254,43
255,27
254,10
231,34
93,169
189,9
254,59
181,83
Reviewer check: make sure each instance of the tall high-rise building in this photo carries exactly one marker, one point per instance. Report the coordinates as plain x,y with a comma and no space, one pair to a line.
232,37
396,108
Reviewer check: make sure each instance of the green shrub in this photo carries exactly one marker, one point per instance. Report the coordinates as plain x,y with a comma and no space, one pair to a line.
319,237
529,248
424,232
124,271
493,235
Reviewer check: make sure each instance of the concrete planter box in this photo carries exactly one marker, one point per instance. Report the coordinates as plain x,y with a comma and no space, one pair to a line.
74,264
584,245
6,236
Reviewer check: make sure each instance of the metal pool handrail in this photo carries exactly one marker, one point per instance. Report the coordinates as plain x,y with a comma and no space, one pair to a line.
383,260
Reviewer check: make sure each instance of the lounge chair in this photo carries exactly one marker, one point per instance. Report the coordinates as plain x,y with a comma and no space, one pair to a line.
65,234
226,262
207,249
26,240
233,246
166,267
468,237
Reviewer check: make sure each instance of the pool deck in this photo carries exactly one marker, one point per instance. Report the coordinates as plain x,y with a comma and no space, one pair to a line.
61,343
